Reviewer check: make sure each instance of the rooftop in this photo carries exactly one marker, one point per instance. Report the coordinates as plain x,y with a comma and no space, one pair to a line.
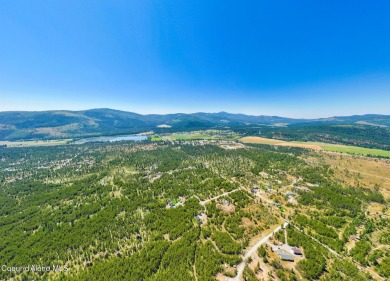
285,256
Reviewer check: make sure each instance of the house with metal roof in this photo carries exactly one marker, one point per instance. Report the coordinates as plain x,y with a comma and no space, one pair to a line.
296,251
285,256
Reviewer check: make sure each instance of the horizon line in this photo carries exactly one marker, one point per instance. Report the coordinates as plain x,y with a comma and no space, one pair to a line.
189,113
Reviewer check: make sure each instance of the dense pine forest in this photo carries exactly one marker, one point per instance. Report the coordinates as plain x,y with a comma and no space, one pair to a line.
186,210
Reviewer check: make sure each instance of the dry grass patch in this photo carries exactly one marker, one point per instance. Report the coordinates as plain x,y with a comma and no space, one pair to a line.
226,208
247,223
302,144
359,169
261,140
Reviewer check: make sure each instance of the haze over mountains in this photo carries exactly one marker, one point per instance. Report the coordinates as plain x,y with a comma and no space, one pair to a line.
65,123
18,125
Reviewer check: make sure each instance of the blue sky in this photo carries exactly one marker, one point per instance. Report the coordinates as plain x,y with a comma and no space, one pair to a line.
287,58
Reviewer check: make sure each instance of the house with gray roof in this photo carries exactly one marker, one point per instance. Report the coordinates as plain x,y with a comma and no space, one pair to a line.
284,256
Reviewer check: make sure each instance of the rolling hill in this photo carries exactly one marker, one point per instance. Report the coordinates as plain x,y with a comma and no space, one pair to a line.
366,130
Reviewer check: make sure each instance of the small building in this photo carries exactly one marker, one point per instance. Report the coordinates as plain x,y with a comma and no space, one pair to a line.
176,202
301,188
202,218
291,200
284,256
296,251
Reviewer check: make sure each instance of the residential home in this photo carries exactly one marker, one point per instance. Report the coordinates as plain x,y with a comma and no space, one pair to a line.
285,256
296,251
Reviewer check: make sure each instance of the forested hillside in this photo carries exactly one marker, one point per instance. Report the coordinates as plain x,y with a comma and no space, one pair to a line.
365,130
184,211
355,135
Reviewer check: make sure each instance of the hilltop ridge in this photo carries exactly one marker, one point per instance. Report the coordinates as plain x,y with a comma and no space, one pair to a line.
370,130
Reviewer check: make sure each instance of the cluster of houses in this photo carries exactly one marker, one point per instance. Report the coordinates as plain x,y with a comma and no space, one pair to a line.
255,189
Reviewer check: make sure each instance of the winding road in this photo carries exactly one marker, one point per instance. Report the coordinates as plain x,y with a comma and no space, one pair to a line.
251,251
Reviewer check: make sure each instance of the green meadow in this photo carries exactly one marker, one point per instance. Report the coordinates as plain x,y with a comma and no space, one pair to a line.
353,149
191,137
155,138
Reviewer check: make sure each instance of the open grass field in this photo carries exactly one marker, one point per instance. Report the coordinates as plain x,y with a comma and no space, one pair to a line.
261,140
192,137
354,149
302,144
201,135
35,143
320,146
186,137
370,172
155,138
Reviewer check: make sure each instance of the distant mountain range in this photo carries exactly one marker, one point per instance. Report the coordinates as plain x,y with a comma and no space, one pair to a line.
21,125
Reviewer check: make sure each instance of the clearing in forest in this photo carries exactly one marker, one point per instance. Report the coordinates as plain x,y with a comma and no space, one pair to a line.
261,140
320,146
